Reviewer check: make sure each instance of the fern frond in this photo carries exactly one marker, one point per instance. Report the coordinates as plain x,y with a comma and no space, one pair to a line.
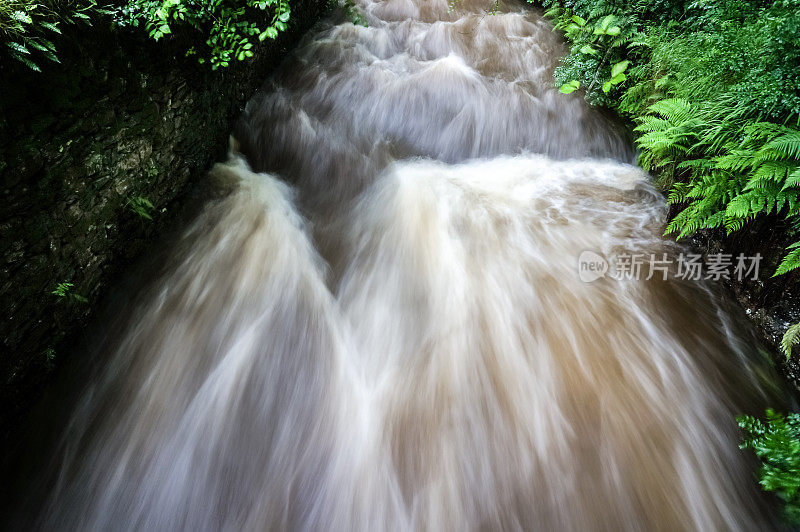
788,145
678,193
648,124
793,179
774,172
736,161
790,338
676,110
764,130
734,224
791,261
697,165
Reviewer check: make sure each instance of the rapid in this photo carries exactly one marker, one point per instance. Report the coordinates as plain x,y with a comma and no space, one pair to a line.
378,323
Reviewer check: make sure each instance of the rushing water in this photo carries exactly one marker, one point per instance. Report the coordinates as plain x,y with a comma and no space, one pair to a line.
385,329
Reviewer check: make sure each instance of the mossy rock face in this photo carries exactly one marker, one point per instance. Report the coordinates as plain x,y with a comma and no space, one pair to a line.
120,117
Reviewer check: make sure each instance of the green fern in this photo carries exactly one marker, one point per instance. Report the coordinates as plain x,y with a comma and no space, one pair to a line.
714,90
776,442
791,261
29,27
790,338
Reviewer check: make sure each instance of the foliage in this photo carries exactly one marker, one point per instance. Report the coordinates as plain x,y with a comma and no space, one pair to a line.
776,441
598,44
141,206
28,28
714,89
790,338
229,29
49,357
64,291
353,13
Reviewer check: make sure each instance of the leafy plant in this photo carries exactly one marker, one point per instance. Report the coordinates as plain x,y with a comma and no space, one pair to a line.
64,291
776,441
354,14
790,338
732,176
29,27
49,357
229,29
714,89
598,43
141,206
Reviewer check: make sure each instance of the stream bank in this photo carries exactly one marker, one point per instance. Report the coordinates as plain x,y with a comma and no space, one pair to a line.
86,147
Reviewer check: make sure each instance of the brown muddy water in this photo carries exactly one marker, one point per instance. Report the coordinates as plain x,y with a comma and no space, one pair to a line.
381,324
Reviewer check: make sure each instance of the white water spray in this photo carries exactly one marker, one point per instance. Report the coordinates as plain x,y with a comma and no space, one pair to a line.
416,350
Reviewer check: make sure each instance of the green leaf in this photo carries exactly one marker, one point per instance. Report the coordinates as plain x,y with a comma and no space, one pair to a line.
51,56
588,50
49,45
619,68
619,78
30,64
50,26
791,261
21,16
579,21
613,31
284,17
607,86
793,180
37,45
790,338
570,87
17,47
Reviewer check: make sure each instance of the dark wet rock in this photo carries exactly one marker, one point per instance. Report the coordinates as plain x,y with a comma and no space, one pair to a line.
771,303
121,117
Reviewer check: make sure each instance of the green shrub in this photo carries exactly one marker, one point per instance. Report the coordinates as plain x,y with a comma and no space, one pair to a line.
228,29
714,88
776,441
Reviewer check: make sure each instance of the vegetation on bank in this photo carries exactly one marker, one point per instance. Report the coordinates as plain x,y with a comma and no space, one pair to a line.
776,441
713,87
28,28
223,30
216,32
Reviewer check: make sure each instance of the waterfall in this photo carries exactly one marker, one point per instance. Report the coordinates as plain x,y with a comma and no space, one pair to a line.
381,322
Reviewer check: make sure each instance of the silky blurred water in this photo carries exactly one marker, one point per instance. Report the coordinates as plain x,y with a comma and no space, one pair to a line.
379,325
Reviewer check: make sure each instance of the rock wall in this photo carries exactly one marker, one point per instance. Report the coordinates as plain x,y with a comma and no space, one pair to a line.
120,118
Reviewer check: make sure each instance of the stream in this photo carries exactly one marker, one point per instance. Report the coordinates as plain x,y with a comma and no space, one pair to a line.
406,310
